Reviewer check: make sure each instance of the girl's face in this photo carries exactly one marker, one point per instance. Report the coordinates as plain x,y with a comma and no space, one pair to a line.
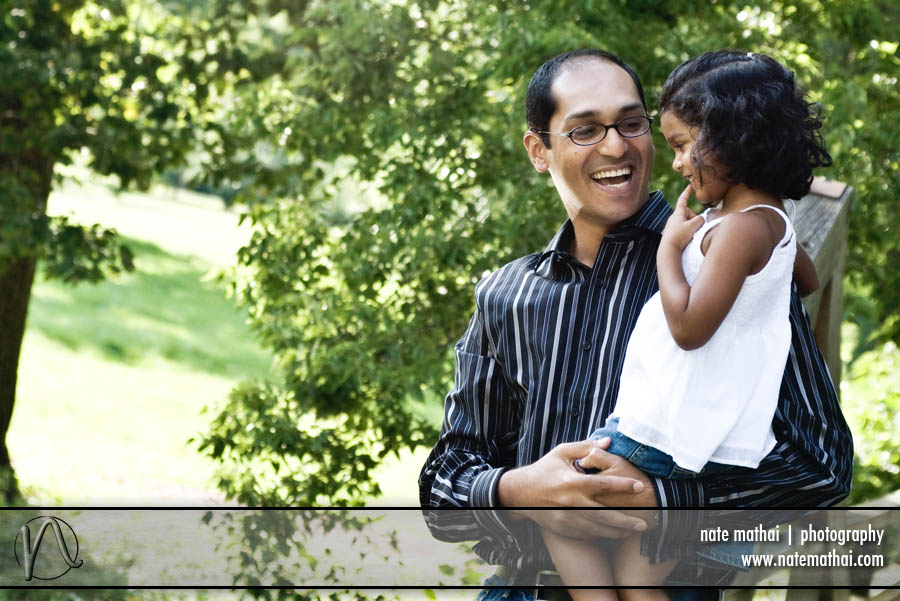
708,187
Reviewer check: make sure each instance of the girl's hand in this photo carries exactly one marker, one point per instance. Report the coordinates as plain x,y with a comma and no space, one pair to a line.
682,224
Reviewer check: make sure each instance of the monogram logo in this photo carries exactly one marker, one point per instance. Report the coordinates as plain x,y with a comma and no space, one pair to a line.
61,530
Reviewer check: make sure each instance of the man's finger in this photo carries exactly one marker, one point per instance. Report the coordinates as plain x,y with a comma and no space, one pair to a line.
602,517
599,459
587,524
592,530
582,448
601,484
609,532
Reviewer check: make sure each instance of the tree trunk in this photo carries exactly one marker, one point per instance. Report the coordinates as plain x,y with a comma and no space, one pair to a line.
35,170
15,291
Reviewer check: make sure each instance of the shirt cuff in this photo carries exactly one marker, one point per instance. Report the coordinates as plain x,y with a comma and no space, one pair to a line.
677,533
483,495
483,492
679,493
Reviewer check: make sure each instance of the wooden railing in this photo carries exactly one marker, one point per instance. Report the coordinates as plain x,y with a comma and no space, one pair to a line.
821,222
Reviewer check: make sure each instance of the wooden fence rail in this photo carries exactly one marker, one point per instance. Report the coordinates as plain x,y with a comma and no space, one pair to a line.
821,222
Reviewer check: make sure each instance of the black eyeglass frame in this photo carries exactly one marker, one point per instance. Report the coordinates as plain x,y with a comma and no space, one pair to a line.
605,127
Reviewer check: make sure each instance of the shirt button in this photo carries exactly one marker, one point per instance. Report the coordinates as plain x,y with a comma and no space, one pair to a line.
586,346
573,411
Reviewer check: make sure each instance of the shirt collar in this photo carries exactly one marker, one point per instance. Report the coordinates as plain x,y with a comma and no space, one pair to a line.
652,216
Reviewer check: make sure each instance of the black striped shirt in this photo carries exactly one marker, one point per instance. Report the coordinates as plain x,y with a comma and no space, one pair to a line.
539,365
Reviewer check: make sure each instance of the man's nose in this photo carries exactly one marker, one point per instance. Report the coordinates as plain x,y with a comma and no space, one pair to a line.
613,144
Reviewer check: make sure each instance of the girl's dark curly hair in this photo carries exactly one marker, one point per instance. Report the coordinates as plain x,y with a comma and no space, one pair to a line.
752,119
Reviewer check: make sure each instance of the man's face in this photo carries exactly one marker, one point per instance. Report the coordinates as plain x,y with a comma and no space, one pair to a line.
603,184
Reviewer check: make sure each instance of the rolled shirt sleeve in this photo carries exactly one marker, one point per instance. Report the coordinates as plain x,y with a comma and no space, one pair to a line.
475,447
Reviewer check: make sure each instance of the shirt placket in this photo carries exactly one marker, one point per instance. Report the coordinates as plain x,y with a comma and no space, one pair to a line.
591,334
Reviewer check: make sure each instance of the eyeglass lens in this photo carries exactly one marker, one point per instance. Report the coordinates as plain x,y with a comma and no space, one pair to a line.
594,132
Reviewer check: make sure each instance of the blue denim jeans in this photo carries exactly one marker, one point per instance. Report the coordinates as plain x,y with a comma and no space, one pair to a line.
654,462
504,594
649,460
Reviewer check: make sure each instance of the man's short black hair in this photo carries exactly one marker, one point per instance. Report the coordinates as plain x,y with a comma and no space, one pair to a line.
539,101
752,118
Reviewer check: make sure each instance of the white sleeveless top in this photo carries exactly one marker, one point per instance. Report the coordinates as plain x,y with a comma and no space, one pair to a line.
714,403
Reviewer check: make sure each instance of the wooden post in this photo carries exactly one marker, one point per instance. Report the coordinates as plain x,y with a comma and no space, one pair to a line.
821,222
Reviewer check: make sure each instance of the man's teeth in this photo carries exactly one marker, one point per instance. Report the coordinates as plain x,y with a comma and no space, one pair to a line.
623,173
612,173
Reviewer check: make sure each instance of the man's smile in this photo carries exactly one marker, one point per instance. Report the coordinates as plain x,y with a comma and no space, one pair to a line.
614,178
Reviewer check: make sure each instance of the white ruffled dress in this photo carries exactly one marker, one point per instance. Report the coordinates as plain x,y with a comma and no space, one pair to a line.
714,403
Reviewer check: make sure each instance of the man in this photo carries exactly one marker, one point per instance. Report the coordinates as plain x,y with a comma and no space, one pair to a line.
538,368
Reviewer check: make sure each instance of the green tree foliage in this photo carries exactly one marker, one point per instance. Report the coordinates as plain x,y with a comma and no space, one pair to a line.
122,84
875,411
390,176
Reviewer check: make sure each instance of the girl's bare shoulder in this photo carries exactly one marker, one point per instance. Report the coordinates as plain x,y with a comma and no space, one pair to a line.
753,233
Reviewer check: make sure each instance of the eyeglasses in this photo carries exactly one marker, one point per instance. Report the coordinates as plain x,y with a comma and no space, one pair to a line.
593,133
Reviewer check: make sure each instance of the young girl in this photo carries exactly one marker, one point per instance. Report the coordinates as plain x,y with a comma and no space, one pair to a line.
704,364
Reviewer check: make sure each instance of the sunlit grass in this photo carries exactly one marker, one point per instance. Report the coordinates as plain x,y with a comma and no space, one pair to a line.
88,429
183,223
166,309
114,376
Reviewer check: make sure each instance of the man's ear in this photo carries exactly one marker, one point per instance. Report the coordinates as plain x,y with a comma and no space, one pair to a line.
537,152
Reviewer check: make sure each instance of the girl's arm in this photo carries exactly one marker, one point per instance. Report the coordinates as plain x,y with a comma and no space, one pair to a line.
805,273
694,313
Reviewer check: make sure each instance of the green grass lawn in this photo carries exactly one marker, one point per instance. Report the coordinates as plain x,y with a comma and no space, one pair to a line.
113,377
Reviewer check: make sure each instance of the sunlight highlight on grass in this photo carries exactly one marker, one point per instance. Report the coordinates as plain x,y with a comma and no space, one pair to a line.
180,221
103,433
113,376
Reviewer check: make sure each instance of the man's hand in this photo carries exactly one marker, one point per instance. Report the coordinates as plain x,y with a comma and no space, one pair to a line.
614,466
553,481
